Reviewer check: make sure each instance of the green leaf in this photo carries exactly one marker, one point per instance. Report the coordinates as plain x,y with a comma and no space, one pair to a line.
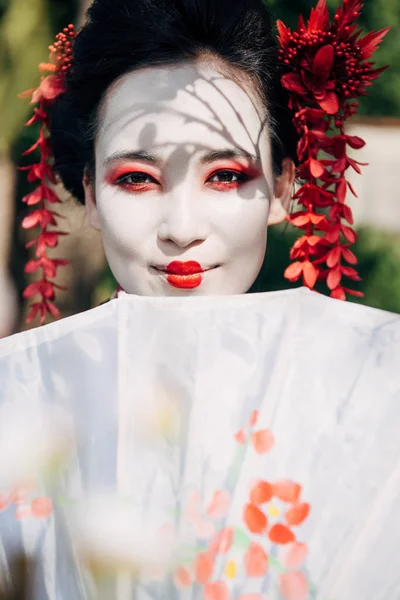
241,540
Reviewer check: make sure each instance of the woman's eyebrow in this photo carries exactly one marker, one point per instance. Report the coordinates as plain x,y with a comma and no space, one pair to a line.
145,156
142,155
227,153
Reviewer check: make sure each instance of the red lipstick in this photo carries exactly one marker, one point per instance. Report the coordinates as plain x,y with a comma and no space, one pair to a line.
185,274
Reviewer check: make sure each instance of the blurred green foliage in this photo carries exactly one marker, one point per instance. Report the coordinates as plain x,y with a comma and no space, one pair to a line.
19,67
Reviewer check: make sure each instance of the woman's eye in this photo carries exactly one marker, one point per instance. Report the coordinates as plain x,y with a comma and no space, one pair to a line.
223,180
136,178
228,178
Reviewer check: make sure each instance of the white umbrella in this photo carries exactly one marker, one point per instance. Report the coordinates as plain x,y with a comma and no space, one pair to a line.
254,437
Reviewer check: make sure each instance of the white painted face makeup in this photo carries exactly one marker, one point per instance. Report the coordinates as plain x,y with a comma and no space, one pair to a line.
183,186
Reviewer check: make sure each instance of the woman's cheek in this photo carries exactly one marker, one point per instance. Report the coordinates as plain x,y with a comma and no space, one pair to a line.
244,222
115,218
127,223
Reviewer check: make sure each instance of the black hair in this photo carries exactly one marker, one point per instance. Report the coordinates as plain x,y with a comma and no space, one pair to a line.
124,35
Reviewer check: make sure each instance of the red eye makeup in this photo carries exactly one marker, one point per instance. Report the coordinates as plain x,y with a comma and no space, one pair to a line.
131,176
225,176
231,175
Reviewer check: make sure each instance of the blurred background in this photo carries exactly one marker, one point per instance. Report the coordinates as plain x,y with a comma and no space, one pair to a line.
27,27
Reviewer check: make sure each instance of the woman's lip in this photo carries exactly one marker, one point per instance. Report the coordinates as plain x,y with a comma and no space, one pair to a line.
188,281
185,281
200,271
189,267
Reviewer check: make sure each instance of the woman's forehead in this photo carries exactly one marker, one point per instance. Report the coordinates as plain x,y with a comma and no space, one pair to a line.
178,104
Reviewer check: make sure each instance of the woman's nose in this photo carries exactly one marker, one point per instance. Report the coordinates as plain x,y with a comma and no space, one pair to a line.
183,223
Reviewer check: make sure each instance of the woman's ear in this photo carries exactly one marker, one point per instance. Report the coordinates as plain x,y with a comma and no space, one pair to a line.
90,201
283,186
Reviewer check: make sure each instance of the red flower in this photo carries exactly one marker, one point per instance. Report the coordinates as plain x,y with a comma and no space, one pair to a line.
50,87
217,590
293,586
256,561
254,518
295,556
325,67
42,192
43,307
287,490
262,440
315,81
280,534
41,171
39,115
41,507
327,62
42,287
262,492
204,566
305,268
305,246
44,240
42,217
48,265
297,514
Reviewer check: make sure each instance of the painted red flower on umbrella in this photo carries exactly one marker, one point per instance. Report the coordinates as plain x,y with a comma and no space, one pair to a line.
325,67
265,520
228,551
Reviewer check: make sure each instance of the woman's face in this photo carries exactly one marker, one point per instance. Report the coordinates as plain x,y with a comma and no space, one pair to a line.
183,190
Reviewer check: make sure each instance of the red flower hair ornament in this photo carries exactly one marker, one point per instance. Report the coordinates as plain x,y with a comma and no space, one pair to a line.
325,66
43,197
